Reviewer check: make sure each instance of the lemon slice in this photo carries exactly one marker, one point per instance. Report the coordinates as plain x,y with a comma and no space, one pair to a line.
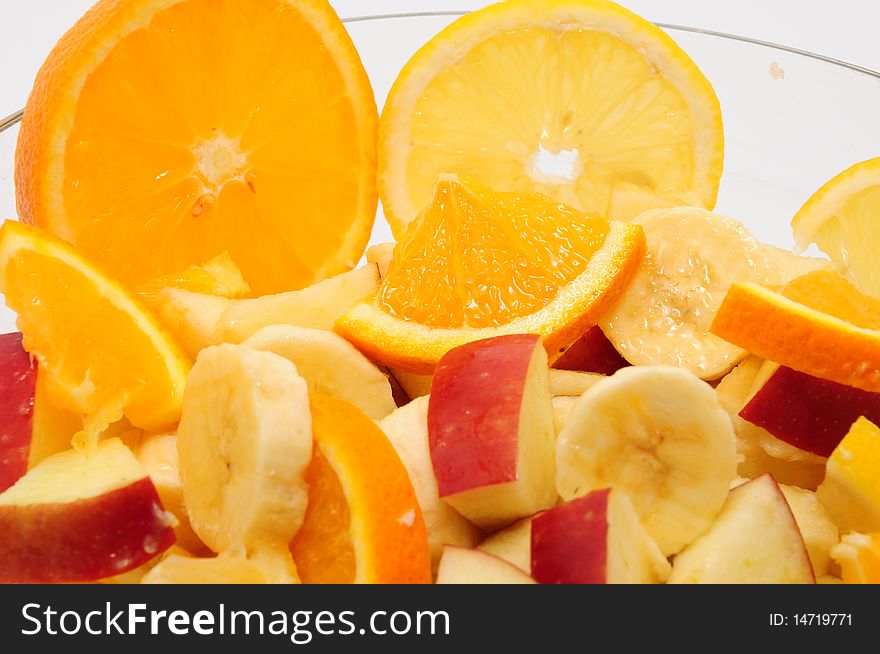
562,97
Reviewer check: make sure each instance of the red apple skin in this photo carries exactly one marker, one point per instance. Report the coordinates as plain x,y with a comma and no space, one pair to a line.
84,540
474,409
570,541
18,381
810,413
592,352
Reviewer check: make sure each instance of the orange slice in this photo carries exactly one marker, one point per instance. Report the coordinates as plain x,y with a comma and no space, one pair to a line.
478,263
363,523
218,276
563,97
859,558
841,219
102,354
160,134
818,324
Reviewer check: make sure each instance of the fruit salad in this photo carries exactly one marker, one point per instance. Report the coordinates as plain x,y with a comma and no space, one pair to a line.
566,369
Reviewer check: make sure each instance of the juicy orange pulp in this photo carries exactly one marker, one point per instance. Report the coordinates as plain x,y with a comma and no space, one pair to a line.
363,523
480,258
215,125
828,292
323,549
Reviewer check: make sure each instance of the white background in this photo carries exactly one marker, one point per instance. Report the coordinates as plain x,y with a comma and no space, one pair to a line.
844,29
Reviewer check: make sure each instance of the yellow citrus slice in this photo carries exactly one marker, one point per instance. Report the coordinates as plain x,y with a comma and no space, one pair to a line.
363,523
859,558
563,97
160,133
101,352
841,219
818,324
479,263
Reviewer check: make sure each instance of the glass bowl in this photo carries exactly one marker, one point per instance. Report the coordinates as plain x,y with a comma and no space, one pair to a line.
792,119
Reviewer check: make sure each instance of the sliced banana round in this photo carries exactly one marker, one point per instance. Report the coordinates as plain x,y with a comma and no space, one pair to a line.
693,256
330,365
245,441
659,434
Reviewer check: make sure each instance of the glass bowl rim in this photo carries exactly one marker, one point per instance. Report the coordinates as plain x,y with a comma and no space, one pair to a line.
14,118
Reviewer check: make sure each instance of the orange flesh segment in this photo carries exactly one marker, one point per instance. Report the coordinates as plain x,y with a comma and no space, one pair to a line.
227,142
478,258
828,292
322,549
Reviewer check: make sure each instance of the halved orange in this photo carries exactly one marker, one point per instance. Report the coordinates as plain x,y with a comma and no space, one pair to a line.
479,263
160,133
100,351
819,324
363,523
563,97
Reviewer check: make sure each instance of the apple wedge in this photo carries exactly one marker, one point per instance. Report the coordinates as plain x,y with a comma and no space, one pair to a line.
407,430
809,413
595,539
513,544
820,534
592,352
81,516
571,383
754,540
463,566
490,429
157,454
191,317
18,382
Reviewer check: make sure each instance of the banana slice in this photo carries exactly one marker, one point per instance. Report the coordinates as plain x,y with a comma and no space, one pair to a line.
330,365
660,435
693,256
245,441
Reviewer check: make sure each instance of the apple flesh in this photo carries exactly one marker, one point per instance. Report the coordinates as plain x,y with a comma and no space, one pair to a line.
819,532
595,539
810,413
464,566
513,544
407,430
754,540
81,515
18,381
490,429
592,352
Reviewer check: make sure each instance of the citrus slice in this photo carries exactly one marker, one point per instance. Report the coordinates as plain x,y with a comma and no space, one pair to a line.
859,558
479,263
218,276
851,488
564,97
363,523
101,352
841,219
160,133
819,324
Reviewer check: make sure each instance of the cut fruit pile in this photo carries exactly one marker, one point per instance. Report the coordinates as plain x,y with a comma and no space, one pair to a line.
567,368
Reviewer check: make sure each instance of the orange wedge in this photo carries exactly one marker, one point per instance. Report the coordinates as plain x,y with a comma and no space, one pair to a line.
479,263
562,97
101,352
219,276
160,134
819,324
859,558
363,523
